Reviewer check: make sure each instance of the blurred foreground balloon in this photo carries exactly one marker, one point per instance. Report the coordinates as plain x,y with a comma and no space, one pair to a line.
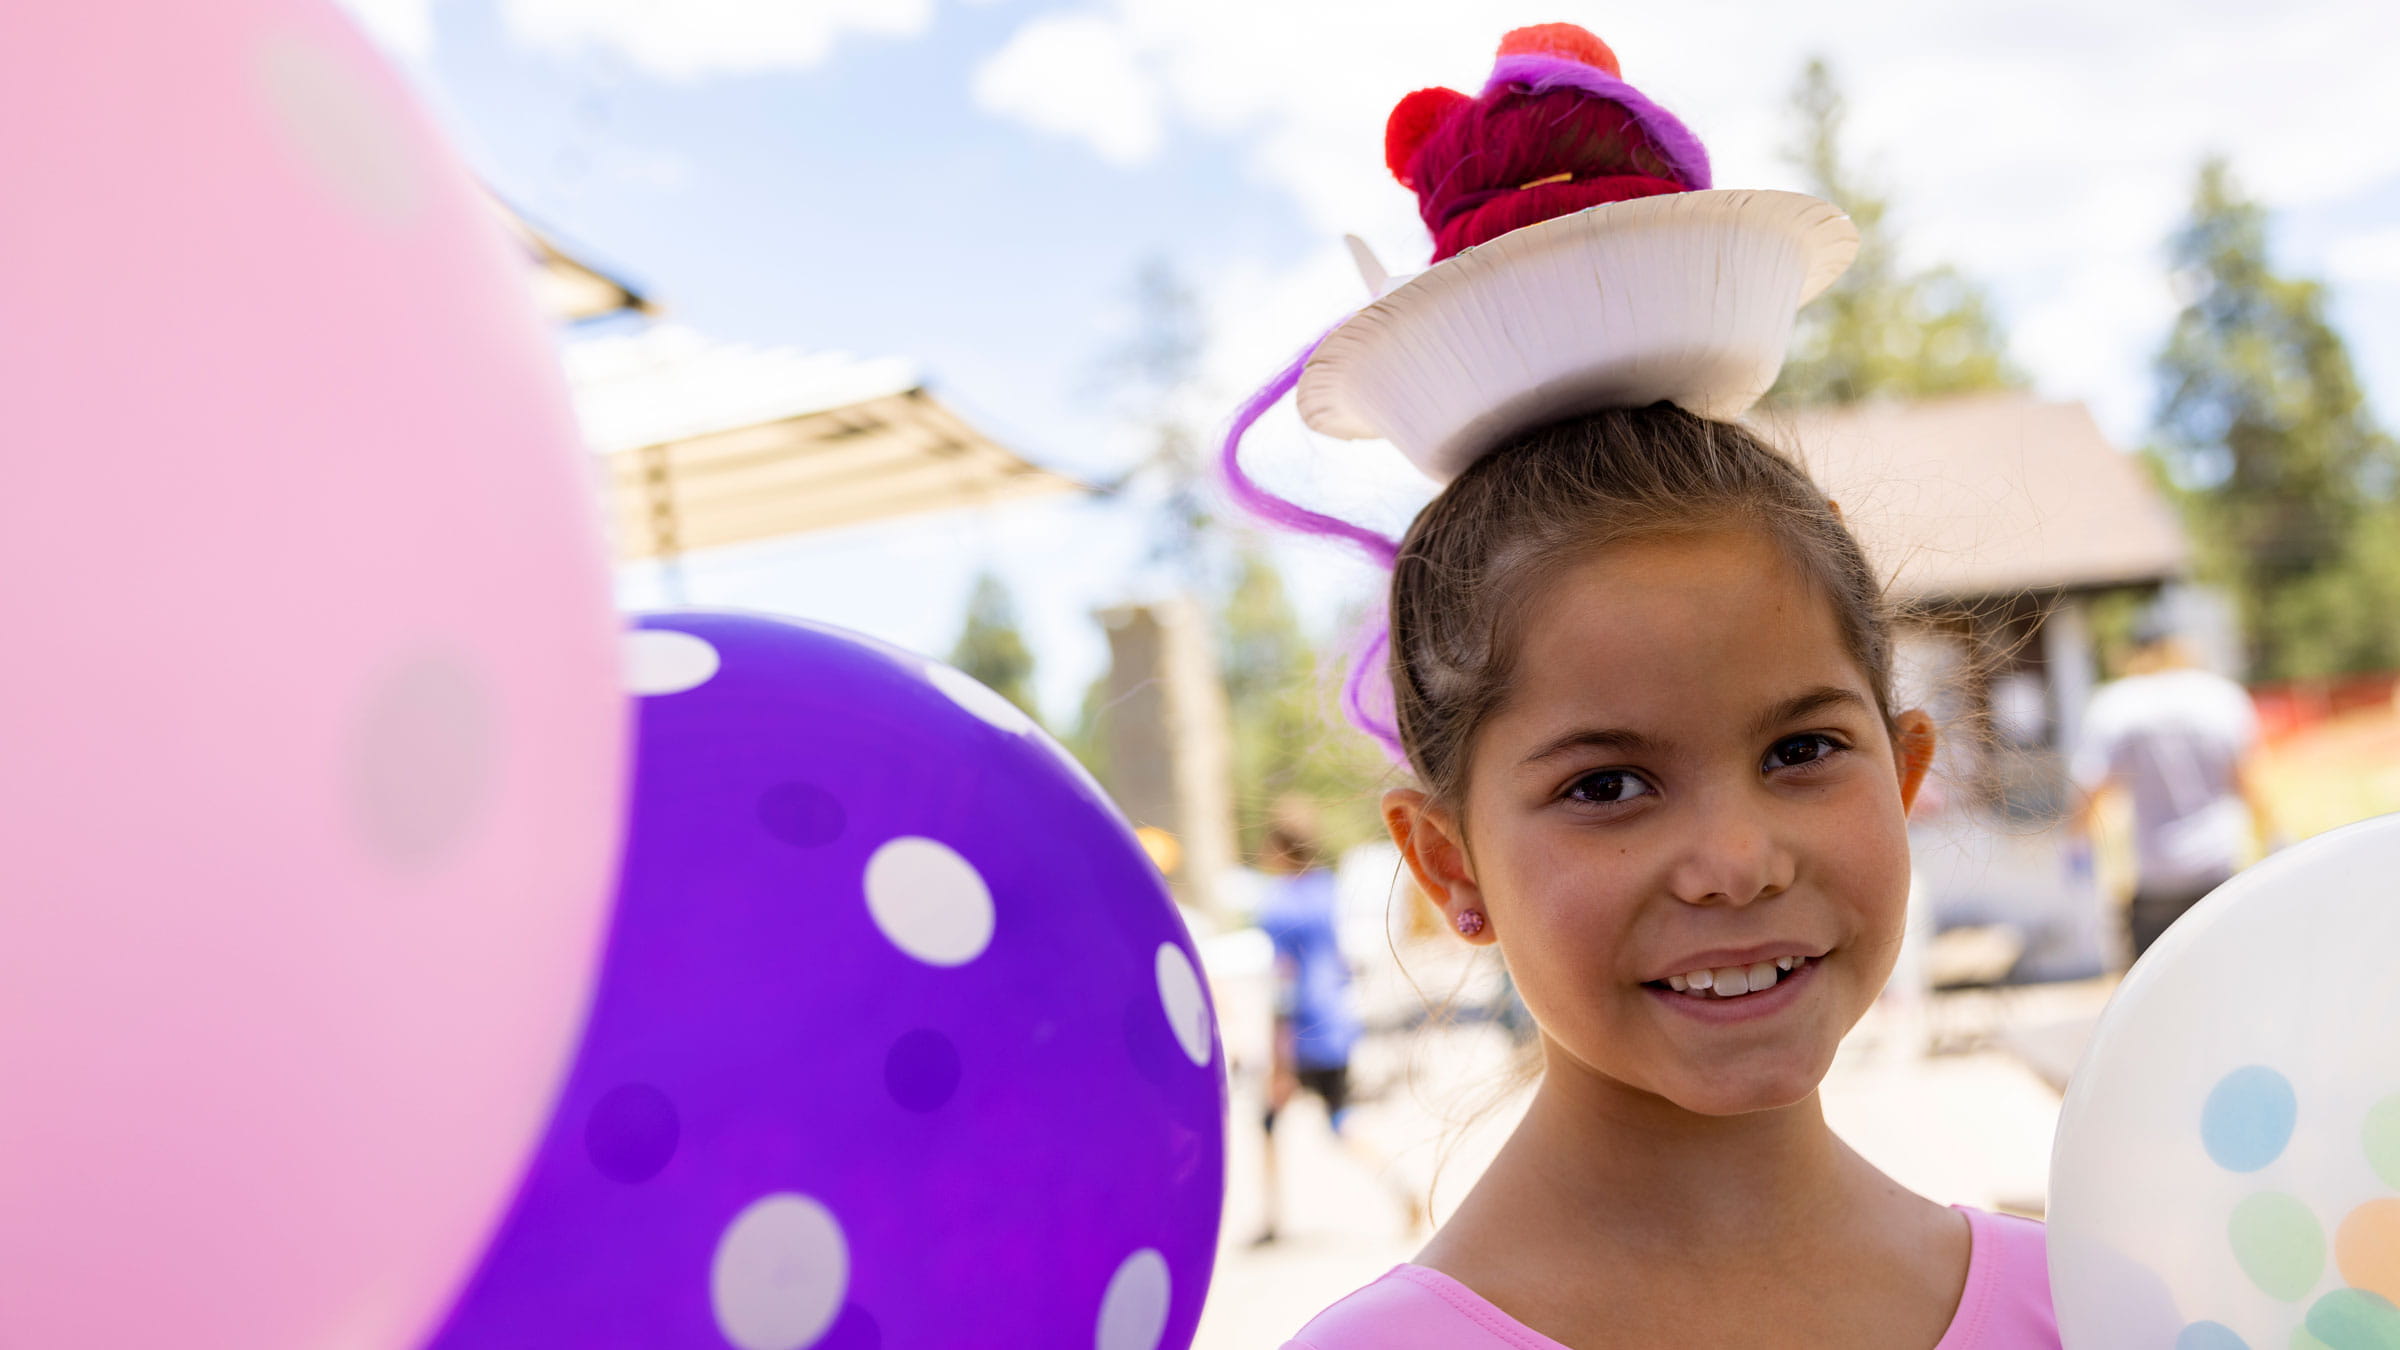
2227,1172
899,1043
310,732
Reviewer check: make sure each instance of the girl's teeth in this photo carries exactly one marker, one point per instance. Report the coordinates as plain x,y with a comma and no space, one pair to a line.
1734,981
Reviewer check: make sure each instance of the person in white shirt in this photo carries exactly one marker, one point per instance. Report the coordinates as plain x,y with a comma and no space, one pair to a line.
2179,741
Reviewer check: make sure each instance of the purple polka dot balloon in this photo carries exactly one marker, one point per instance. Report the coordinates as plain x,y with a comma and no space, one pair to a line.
899,1042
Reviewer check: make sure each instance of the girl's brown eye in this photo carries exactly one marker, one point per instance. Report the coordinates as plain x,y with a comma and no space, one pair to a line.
1607,787
1795,751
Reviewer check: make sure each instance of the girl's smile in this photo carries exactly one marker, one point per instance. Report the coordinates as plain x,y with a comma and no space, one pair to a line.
1768,988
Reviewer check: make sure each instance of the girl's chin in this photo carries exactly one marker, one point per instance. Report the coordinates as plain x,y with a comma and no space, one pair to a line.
1744,1100
1768,1080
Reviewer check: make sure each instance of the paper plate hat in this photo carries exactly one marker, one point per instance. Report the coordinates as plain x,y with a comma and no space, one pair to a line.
1581,262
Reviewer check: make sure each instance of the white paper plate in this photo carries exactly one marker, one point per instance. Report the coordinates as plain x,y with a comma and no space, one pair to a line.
1687,297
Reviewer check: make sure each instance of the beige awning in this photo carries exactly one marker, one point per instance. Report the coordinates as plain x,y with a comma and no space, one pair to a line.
705,444
1989,495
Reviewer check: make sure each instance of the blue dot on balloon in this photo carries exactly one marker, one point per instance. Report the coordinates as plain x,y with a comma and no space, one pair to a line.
801,814
921,1070
2209,1336
2248,1118
631,1133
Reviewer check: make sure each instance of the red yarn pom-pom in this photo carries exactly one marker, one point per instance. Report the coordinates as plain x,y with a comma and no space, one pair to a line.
1415,118
1561,39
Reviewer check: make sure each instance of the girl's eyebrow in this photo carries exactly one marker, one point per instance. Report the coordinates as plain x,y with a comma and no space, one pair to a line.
1628,742
1618,739
1824,699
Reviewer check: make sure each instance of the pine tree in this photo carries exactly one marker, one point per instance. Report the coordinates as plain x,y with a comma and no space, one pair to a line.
991,648
1153,381
1288,735
1880,331
2265,438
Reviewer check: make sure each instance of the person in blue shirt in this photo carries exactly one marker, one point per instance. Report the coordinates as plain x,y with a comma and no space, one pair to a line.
1316,1015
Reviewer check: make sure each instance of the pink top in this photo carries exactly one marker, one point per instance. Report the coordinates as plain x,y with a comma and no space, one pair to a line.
2006,1305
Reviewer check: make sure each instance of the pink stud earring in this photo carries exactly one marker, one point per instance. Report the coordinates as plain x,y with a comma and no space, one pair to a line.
1470,922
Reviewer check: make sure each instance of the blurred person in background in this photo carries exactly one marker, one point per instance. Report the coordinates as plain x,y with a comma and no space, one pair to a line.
2180,742
1316,1015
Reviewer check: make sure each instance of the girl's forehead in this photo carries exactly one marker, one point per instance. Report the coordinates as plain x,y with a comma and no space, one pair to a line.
1685,626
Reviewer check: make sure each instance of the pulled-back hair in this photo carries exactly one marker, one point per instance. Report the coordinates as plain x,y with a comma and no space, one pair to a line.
1551,497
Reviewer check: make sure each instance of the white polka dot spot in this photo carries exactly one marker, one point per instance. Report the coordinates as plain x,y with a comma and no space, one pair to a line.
978,698
929,901
348,127
1133,1313
663,661
781,1272
1179,994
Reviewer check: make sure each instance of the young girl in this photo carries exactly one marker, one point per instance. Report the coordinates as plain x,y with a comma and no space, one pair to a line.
1642,674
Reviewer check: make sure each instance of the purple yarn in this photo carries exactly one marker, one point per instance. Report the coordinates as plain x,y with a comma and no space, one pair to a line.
1367,693
1290,514
1540,74
1365,679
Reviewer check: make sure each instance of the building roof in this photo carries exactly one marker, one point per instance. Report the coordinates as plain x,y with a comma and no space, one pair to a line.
1988,495
567,288
708,443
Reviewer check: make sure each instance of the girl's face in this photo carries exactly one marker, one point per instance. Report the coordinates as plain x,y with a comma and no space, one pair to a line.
1690,784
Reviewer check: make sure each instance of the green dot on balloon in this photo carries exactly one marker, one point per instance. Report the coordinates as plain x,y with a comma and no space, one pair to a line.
2301,1340
2279,1245
2383,1140
2353,1319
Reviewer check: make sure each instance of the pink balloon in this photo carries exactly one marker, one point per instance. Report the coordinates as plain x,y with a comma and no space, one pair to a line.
310,732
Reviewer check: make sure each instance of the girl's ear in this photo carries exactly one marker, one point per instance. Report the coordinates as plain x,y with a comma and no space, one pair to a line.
1436,851
1913,742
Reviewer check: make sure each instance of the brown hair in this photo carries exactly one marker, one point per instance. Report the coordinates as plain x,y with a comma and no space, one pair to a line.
1551,496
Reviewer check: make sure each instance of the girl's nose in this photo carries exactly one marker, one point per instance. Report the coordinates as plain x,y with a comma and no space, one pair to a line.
1731,855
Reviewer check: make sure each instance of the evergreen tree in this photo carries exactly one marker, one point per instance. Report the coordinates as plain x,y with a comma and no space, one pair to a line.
1154,382
2265,438
991,648
1880,331
1150,383
1289,738
1087,738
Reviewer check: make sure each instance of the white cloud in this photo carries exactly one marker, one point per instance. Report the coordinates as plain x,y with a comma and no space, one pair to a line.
690,39
1078,76
2366,259
2045,146
404,28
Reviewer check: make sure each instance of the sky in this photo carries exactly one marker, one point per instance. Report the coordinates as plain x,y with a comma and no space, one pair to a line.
973,184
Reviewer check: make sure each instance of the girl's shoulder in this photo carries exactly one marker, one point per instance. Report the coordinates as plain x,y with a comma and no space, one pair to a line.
1414,1308
2006,1304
